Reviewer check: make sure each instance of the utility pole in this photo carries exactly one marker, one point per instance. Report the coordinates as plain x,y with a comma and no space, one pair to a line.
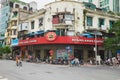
96,49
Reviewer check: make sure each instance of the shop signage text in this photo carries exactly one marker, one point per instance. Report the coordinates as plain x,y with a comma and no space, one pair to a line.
28,41
61,40
82,40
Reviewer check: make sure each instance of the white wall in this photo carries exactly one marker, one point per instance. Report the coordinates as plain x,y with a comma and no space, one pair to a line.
96,21
60,6
51,9
36,20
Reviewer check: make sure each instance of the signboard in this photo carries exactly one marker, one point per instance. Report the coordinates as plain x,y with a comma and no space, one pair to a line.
51,36
14,42
61,53
61,40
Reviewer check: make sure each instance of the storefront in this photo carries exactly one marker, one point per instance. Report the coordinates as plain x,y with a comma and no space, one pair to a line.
15,48
60,46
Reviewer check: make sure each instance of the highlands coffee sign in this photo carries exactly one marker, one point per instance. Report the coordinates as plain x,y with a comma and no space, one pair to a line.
28,42
52,38
85,40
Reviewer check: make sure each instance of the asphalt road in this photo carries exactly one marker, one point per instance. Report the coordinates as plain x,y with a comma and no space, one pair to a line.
40,71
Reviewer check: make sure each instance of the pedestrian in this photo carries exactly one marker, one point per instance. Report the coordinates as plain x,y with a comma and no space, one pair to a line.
16,59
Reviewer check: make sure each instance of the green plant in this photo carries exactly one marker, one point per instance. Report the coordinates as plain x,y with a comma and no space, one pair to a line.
113,43
7,49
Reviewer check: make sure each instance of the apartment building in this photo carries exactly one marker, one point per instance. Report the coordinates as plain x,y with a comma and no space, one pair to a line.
110,5
17,9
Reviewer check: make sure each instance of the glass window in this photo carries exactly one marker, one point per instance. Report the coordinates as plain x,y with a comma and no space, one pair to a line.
32,24
111,23
14,23
89,21
107,1
102,3
14,32
101,22
25,8
16,6
40,21
107,8
90,0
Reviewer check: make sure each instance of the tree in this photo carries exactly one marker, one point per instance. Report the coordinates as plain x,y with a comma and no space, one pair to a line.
113,43
7,49
1,51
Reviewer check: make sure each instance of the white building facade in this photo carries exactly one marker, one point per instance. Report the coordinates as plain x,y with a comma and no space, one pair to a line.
59,26
70,16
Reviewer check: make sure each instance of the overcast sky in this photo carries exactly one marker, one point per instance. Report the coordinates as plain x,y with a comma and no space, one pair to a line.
40,3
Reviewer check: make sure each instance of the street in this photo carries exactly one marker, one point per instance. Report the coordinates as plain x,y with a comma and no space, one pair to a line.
41,71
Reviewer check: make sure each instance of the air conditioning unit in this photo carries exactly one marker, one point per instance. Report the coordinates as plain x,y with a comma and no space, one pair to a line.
23,26
103,27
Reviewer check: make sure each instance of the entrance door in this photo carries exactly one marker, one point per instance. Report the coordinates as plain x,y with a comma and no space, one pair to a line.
78,53
101,53
46,53
37,54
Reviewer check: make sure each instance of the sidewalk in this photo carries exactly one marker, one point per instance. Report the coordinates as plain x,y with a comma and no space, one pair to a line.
2,78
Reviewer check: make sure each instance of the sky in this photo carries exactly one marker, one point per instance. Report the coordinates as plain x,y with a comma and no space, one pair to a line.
40,3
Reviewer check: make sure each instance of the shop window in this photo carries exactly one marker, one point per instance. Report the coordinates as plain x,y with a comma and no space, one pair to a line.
91,54
89,21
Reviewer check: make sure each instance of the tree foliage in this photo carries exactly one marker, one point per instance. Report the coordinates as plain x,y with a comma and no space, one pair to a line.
113,43
5,50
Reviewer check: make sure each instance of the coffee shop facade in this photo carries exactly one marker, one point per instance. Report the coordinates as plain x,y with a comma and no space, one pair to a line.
60,46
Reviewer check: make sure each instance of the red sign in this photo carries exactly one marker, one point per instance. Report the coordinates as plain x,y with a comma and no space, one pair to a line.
61,40
51,52
51,36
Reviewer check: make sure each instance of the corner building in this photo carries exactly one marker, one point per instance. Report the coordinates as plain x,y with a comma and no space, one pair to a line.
58,30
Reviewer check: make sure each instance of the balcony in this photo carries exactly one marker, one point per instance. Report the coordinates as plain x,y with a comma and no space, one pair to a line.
23,27
13,36
63,20
14,27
